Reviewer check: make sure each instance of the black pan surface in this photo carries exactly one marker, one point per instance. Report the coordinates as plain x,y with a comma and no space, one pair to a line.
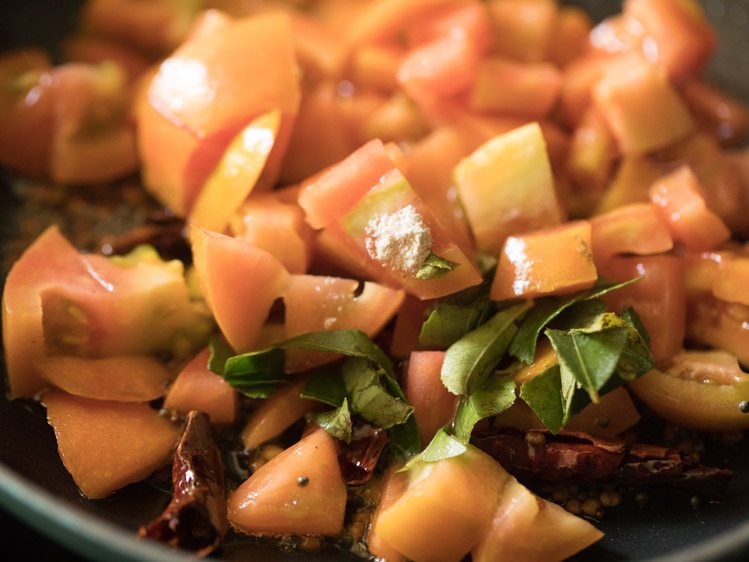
35,488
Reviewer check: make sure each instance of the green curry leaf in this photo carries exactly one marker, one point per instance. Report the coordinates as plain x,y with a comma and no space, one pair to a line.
435,266
336,422
494,397
470,360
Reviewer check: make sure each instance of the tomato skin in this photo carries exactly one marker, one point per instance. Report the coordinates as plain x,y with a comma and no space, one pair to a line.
506,187
120,379
271,502
198,388
557,534
106,445
545,262
434,406
276,414
508,87
394,194
340,187
277,227
631,229
27,114
683,37
699,390
202,86
316,303
678,199
643,110
659,298
50,259
199,99
237,173
393,486
726,118
523,29
240,283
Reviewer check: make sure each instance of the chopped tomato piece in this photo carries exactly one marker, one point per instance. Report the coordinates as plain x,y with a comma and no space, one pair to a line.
569,39
523,29
376,66
93,141
94,50
441,68
274,501
276,227
198,388
723,188
630,184
384,19
400,234
682,37
318,45
26,110
726,118
557,534
429,165
407,329
658,298
321,109
513,88
678,198
119,379
236,174
545,262
202,85
276,414
240,283
641,107
592,153
434,406
580,76
316,304
338,255
447,508
340,188
506,187
56,300
698,389
107,445
393,486
632,229
199,100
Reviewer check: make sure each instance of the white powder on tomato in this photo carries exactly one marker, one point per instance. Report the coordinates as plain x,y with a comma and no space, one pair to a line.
400,240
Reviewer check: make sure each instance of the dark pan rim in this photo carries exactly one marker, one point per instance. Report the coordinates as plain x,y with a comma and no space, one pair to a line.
97,539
